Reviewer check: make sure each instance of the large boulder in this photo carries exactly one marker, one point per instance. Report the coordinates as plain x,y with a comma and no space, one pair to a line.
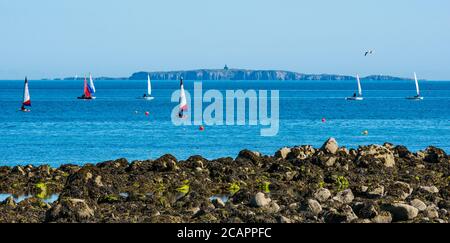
401,211
375,154
70,210
434,155
165,163
282,153
400,190
87,183
330,146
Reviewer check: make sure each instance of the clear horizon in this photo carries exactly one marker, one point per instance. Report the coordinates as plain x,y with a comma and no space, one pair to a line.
56,39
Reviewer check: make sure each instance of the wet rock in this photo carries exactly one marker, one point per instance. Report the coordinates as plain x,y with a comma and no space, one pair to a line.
383,218
218,203
375,154
284,220
366,210
402,152
349,214
273,208
301,152
434,155
344,197
282,153
18,170
421,206
165,163
322,195
314,207
377,192
9,202
400,190
86,183
330,146
429,189
401,212
260,200
432,212
344,215
70,210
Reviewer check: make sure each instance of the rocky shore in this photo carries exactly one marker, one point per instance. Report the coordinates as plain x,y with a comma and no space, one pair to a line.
371,184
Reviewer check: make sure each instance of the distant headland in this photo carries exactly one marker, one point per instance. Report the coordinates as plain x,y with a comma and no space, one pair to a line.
241,74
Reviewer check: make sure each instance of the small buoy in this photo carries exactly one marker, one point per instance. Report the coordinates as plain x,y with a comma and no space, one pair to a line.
365,132
202,128
147,113
324,120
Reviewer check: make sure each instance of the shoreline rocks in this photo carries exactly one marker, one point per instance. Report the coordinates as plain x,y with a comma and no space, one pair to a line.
371,184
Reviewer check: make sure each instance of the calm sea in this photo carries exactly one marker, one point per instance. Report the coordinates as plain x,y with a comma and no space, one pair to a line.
61,129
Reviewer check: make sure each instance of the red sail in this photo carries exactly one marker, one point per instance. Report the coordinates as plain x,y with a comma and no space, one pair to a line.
87,93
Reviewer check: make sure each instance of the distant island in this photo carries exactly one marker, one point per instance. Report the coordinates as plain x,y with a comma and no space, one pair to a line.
241,74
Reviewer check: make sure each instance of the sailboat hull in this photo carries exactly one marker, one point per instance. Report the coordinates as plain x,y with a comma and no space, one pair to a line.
355,98
84,98
149,98
414,98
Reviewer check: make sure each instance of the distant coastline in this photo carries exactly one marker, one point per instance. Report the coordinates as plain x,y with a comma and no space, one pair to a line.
239,74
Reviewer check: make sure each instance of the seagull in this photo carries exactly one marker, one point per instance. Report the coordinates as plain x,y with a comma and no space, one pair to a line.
368,52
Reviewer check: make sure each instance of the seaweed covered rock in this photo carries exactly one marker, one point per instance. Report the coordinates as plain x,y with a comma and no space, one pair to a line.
435,155
302,184
86,183
70,210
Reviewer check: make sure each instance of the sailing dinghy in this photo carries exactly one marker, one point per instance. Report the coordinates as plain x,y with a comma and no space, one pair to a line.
418,96
183,102
89,89
359,95
26,97
148,95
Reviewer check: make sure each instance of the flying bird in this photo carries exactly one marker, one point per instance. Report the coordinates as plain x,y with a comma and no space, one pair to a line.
368,52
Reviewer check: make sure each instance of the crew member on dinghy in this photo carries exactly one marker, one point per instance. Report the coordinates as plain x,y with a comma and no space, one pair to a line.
26,97
183,102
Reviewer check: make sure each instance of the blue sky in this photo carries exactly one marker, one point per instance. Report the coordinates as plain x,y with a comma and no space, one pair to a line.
55,38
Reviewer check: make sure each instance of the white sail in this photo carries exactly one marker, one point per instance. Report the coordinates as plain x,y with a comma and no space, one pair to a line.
417,84
149,86
359,85
183,101
26,94
91,83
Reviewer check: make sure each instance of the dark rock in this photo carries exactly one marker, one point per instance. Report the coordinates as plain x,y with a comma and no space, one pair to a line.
434,155
70,210
400,211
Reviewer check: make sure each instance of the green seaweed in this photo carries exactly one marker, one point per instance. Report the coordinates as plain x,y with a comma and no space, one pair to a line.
185,188
42,190
234,188
342,183
109,199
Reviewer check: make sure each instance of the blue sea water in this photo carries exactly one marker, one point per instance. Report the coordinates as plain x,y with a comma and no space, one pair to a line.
61,129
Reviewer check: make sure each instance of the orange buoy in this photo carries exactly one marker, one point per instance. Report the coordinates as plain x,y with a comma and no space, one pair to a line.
147,113
201,128
324,120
